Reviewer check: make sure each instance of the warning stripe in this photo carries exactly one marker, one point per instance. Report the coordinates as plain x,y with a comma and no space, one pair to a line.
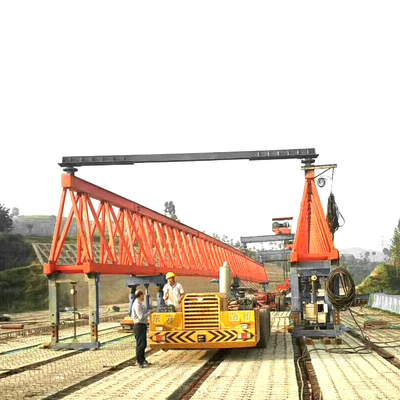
186,336
223,336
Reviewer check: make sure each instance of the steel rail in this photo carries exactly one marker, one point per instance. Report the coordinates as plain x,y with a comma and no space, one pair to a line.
23,348
17,370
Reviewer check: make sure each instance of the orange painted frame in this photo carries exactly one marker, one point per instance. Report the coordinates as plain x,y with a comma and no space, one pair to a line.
313,240
137,240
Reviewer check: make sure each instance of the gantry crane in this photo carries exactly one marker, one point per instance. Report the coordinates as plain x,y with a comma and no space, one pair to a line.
164,332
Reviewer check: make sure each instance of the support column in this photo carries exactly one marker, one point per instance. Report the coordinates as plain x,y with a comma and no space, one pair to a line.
335,313
131,299
283,265
54,308
160,298
235,287
134,281
314,289
296,296
94,308
147,298
265,287
295,290
332,313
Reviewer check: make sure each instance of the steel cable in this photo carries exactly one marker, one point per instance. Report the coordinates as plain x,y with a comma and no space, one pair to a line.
342,276
333,214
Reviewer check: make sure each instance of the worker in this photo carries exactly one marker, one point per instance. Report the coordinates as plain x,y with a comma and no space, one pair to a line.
173,291
140,316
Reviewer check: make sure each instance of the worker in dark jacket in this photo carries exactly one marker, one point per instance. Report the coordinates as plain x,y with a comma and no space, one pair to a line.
140,317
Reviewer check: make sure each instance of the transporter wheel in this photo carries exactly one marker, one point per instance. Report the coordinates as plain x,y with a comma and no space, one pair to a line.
265,328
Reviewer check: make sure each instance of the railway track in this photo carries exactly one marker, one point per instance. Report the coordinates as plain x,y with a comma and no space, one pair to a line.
54,376
363,375
110,373
386,342
31,357
20,343
40,319
198,374
160,381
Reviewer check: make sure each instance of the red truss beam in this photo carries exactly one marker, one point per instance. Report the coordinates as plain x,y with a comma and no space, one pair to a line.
313,240
135,240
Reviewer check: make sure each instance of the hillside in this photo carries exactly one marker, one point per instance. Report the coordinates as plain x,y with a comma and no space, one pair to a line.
384,278
359,252
23,288
38,225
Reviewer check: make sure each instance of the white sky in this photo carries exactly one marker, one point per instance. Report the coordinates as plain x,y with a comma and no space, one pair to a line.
126,77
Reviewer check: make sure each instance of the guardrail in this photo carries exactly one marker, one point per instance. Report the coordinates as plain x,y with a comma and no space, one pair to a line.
385,302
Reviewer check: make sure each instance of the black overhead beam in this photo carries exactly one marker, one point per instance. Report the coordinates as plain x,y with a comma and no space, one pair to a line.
266,238
83,161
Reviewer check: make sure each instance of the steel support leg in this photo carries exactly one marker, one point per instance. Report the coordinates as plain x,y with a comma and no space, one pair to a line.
313,291
54,309
295,291
336,315
160,298
131,299
332,313
94,308
235,287
265,287
147,299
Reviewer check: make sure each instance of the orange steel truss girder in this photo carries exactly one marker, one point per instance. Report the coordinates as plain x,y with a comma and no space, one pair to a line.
313,240
135,240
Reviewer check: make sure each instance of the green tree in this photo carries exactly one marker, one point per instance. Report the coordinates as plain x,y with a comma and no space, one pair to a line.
37,288
382,279
386,253
252,253
6,222
359,268
29,227
15,212
170,210
395,248
14,251
26,289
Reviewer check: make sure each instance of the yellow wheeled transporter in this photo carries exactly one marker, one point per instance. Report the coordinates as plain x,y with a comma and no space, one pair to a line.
206,322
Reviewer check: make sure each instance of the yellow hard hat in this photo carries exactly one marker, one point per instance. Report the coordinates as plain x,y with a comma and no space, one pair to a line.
170,275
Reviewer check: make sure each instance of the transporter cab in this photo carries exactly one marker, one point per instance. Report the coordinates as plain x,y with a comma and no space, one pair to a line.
212,320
